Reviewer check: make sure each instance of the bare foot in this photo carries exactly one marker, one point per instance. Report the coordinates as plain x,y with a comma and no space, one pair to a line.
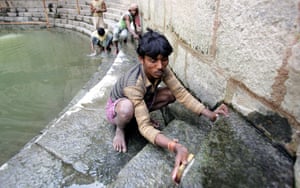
119,141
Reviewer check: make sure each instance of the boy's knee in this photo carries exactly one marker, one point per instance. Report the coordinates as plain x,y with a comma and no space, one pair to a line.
125,109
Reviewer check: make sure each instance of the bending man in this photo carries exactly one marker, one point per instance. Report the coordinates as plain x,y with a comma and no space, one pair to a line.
137,93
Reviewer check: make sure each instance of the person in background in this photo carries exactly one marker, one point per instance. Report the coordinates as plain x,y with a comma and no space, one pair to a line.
120,32
100,38
97,8
137,93
137,23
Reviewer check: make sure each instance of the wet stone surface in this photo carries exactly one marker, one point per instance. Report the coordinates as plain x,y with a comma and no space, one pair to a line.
272,124
32,167
236,155
76,150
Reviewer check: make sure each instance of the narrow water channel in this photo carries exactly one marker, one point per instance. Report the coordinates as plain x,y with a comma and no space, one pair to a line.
40,72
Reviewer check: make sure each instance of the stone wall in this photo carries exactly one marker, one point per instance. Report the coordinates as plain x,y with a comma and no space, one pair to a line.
244,53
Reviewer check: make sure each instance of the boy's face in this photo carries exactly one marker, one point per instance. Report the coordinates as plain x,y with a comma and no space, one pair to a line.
154,68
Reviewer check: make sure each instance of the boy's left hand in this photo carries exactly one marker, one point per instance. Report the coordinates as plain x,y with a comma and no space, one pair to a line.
222,110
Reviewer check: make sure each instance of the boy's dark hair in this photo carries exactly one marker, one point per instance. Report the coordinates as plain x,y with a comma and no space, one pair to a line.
153,44
101,31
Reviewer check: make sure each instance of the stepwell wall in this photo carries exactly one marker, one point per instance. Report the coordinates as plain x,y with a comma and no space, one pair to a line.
245,53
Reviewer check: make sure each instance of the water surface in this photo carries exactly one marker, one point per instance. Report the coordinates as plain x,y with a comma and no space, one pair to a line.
40,72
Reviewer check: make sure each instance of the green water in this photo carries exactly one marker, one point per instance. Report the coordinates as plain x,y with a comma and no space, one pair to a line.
40,72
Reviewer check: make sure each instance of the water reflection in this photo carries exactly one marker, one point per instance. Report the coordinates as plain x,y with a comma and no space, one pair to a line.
40,72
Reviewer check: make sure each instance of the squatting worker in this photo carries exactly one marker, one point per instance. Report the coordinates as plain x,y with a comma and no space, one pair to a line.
136,93
121,29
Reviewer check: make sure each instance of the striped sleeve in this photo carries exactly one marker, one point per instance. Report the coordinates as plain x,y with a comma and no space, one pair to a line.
182,95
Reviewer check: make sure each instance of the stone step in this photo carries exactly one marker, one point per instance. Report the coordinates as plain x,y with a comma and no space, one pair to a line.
159,162
115,11
228,148
115,5
34,10
110,24
25,4
112,17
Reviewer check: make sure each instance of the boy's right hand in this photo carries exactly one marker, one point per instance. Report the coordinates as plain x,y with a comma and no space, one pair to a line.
181,158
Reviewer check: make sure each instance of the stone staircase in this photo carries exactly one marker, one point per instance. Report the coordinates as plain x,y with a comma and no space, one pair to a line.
58,13
75,150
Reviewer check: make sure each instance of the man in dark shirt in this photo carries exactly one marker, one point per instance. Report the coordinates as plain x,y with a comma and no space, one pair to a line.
137,93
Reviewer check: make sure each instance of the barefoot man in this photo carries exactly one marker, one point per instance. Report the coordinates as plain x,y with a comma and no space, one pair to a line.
137,93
